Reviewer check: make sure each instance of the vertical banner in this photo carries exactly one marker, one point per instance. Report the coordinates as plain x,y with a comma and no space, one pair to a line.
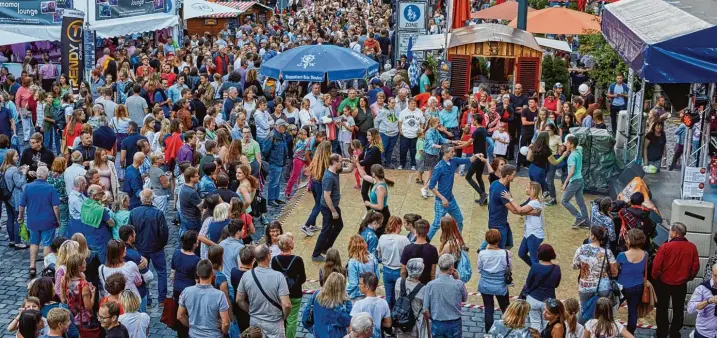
90,51
72,41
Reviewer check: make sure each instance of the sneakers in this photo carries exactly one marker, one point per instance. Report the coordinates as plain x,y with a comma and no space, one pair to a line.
303,184
424,193
272,204
413,168
579,223
314,228
307,231
551,202
399,168
484,199
546,194
319,259
280,202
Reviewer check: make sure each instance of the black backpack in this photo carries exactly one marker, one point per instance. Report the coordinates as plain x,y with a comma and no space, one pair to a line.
402,315
48,271
5,193
290,280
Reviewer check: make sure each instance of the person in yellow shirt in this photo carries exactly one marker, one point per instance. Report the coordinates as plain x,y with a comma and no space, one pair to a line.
577,102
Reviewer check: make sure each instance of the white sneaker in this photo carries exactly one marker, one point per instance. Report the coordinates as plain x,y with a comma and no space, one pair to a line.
399,168
303,184
413,167
424,193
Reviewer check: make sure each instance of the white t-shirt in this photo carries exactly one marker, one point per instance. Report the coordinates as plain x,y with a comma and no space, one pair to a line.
576,334
136,323
499,147
411,121
377,307
590,327
534,224
390,248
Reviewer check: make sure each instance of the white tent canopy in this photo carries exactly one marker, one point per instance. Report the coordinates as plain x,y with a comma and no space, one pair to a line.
12,34
554,44
199,8
129,25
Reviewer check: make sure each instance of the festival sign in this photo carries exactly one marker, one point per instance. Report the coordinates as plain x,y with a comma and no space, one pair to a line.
33,12
72,42
116,9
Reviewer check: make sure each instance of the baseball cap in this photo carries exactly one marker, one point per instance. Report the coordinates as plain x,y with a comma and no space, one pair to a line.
281,122
558,85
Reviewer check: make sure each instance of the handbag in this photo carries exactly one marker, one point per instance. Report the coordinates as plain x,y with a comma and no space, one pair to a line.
259,203
590,307
508,277
646,295
525,292
169,313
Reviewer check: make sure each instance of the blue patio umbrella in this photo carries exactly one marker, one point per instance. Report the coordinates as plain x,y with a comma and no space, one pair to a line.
317,62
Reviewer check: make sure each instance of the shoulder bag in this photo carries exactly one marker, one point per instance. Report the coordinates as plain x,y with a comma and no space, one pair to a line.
259,285
588,310
508,277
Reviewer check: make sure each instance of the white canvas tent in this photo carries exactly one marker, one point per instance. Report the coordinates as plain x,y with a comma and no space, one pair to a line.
129,25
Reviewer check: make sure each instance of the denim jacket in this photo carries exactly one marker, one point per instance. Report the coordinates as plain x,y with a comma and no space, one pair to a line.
276,149
356,268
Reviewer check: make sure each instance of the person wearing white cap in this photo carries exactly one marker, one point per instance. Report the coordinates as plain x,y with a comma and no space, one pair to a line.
275,151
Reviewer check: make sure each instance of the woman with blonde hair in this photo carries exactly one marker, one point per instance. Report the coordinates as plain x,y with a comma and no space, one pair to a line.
316,169
56,178
211,230
160,183
331,307
293,268
137,323
360,261
148,128
513,322
66,250
120,122
92,259
158,144
78,293
15,179
107,171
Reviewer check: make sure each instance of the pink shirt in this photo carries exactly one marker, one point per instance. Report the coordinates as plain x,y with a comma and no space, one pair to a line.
22,97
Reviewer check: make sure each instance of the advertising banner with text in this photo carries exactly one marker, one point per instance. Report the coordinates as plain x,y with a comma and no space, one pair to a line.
117,9
33,12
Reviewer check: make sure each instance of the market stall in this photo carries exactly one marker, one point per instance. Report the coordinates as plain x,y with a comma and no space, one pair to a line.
214,23
493,55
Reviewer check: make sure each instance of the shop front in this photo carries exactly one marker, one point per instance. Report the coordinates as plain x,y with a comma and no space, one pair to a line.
214,23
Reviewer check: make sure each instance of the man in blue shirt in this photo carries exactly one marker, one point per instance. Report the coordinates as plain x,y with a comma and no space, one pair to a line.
96,221
129,144
175,92
43,214
276,152
441,184
618,94
151,226
133,180
500,203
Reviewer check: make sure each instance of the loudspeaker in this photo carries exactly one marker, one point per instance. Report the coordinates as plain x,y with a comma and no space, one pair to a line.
696,215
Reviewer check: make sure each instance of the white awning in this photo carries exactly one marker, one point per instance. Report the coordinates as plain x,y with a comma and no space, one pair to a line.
554,44
130,25
12,34
198,8
430,42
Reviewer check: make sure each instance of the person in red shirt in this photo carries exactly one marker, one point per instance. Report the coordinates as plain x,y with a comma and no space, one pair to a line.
550,102
676,263
145,69
168,75
221,61
422,99
372,44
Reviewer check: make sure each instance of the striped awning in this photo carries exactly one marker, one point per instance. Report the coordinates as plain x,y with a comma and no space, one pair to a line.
239,5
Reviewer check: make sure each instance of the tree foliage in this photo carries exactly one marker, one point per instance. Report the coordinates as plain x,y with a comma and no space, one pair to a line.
553,70
538,4
607,62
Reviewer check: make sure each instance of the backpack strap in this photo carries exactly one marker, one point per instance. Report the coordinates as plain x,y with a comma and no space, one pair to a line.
416,290
259,286
402,291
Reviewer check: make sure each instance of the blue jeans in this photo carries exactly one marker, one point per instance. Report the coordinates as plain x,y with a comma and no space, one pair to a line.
446,329
538,175
13,228
143,304
633,299
160,264
389,143
575,188
391,276
440,211
407,144
529,247
317,193
48,136
273,181
551,178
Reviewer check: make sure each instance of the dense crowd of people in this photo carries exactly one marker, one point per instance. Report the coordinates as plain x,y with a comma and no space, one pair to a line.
89,178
